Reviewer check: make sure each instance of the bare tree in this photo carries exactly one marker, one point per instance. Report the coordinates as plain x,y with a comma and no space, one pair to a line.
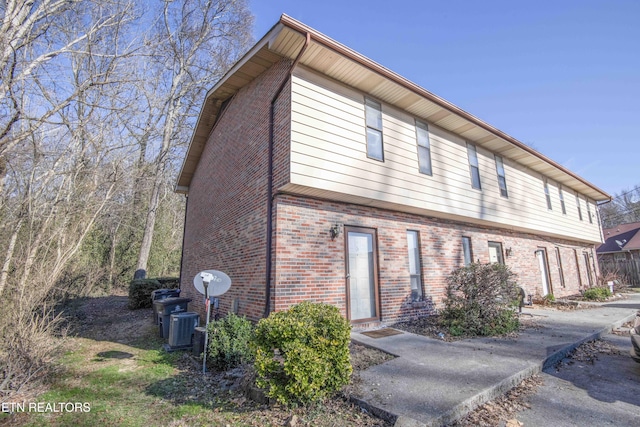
623,209
194,42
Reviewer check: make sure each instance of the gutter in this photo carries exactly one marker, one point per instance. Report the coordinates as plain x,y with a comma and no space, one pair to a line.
270,195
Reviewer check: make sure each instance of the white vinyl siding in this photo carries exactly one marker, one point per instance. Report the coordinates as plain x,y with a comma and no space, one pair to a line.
561,196
328,159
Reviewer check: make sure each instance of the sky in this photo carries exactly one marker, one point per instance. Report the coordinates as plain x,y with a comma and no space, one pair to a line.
561,76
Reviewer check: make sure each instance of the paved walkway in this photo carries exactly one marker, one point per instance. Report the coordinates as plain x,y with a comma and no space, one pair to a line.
433,382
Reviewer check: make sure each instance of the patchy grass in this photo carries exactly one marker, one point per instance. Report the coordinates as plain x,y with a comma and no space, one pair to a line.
127,380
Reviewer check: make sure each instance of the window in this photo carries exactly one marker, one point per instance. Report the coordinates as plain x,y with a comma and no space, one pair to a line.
578,205
586,262
564,209
547,195
495,252
575,253
466,250
502,180
559,262
473,166
589,212
373,113
414,265
424,148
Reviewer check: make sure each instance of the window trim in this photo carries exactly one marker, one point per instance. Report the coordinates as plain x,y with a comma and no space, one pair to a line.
426,145
497,245
562,205
547,194
472,154
560,270
376,106
504,192
579,207
470,247
418,262
589,212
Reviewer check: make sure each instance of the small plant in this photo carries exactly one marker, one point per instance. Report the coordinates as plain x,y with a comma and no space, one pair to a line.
596,294
549,298
229,342
482,299
302,355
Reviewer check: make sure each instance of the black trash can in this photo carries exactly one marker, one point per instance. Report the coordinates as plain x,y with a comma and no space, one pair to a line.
165,308
160,294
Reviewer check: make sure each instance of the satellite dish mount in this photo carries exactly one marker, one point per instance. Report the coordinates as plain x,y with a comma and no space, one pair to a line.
210,283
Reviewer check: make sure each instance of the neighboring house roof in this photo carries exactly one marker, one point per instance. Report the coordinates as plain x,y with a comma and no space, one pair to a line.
287,38
623,238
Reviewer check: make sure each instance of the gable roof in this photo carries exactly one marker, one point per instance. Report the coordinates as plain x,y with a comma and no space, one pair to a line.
286,39
626,234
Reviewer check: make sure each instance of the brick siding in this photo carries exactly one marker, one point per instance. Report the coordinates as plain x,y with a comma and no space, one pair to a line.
225,225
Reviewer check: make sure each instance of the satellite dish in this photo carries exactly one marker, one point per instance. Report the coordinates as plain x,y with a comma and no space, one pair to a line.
620,244
218,282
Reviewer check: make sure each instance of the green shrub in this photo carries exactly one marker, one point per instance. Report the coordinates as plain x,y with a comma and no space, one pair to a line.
596,294
482,299
169,282
229,342
302,355
140,290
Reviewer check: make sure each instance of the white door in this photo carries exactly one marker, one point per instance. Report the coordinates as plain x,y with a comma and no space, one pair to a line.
361,275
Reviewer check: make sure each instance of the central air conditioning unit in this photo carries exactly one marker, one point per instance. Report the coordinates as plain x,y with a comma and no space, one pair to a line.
181,328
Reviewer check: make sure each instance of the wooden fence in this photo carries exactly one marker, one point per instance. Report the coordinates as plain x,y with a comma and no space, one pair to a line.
628,271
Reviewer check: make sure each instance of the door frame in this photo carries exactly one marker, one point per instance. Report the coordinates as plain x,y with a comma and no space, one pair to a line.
376,284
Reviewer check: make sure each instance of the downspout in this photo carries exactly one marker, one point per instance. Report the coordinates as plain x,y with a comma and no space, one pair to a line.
272,111
184,232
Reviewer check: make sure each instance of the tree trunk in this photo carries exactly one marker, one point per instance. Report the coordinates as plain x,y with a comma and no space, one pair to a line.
7,260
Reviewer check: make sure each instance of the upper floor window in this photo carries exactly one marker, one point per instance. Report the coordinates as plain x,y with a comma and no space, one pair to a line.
502,180
589,212
466,250
564,209
414,265
578,205
373,113
424,148
547,195
473,166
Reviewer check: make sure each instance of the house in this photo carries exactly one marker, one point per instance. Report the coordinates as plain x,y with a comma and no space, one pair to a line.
621,243
619,255
315,173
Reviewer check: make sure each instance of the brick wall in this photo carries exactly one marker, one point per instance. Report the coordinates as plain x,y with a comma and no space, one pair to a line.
225,225
311,266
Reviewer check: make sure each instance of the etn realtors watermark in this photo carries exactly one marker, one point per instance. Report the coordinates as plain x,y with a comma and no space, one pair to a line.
45,407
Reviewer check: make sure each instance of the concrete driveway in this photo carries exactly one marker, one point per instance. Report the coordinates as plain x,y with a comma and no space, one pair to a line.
605,393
